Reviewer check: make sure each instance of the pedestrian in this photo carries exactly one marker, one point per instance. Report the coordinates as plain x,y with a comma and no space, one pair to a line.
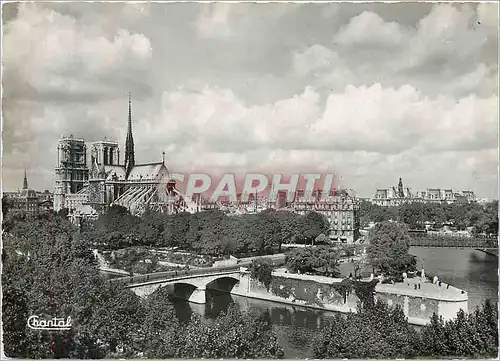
448,286
419,286
415,286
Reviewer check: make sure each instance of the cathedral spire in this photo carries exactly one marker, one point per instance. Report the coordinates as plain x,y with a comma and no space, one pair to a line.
25,182
129,143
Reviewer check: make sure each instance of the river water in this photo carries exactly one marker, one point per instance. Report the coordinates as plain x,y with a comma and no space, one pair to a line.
473,271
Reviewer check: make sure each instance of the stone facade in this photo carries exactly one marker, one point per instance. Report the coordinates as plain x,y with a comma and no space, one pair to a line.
297,290
341,209
395,196
91,184
29,201
71,170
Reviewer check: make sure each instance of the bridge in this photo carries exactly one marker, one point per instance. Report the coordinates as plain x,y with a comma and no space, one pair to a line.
455,242
490,251
189,285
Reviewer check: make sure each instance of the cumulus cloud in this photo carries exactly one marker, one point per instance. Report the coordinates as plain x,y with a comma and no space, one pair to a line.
385,120
453,49
261,88
48,52
316,57
369,28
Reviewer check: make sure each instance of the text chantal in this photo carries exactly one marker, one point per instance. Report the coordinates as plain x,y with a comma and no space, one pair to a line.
54,324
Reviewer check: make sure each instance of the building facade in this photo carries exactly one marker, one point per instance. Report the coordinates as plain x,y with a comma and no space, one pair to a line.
29,201
395,196
71,171
88,186
341,210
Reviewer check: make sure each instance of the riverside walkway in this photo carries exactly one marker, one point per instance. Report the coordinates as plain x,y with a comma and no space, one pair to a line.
158,277
427,289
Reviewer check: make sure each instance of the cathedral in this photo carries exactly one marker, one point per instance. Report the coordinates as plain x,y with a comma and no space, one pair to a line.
87,186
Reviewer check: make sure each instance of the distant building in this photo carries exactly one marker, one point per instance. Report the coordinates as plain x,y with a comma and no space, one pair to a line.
29,201
395,196
88,189
341,209
484,200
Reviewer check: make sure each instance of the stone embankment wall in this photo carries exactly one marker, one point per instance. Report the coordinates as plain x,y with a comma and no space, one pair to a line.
323,293
420,304
300,290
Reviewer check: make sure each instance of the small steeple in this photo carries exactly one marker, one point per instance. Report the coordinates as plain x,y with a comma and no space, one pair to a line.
129,142
401,193
25,182
163,157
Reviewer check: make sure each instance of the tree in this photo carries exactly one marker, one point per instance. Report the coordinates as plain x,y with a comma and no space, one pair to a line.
262,270
42,260
209,226
289,226
269,232
388,248
162,331
63,213
381,332
319,260
313,224
412,214
232,335
175,233
7,204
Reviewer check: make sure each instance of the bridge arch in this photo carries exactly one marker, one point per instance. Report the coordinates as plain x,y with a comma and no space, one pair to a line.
223,283
190,287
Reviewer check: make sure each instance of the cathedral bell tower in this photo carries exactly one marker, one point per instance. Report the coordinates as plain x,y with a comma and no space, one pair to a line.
129,142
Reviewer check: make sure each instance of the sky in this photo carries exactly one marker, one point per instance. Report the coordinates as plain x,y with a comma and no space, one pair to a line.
368,91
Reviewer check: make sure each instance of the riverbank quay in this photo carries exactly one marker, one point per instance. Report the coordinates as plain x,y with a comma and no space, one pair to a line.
341,295
420,300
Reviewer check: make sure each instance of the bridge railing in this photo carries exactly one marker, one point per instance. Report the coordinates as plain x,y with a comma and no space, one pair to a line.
445,241
151,277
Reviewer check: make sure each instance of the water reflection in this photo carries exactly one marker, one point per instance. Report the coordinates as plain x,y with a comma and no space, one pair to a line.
474,271
295,326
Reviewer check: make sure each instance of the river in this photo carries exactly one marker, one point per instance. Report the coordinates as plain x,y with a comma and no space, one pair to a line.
471,270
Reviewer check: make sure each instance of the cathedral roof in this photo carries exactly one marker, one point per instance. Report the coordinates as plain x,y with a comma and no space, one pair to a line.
117,171
147,171
83,190
28,193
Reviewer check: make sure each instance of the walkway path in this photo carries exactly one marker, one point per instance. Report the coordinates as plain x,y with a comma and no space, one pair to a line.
104,265
427,290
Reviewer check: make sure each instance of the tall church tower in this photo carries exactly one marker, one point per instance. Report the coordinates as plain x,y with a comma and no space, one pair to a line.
25,182
129,143
401,193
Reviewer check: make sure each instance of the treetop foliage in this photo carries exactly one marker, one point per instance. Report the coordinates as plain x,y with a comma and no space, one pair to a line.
209,232
48,269
388,247
483,218
384,332
323,260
